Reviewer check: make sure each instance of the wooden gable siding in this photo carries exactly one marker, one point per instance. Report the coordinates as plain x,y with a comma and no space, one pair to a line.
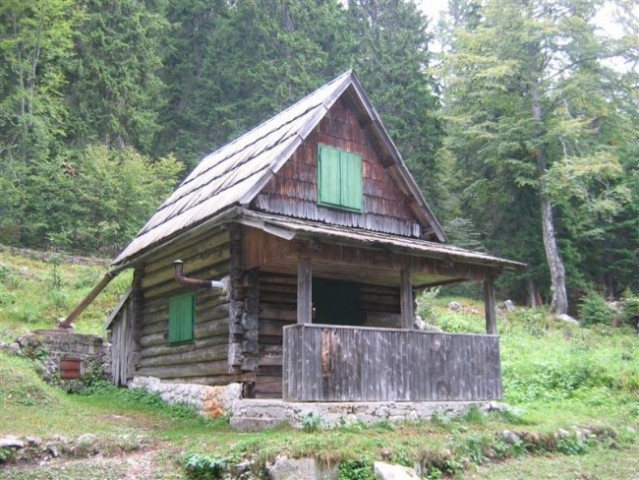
278,308
293,190
205,360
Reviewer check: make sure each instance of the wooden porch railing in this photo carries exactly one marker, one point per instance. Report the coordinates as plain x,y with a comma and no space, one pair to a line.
334,363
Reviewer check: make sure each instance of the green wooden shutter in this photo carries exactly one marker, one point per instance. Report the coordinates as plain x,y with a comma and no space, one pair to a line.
329,176
181,318
339,179
351,181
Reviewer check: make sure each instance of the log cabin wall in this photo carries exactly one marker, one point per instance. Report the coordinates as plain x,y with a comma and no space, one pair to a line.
380,306
278,308
293,190
205,360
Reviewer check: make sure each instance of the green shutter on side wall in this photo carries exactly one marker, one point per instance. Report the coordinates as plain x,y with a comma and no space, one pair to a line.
181,318
339,179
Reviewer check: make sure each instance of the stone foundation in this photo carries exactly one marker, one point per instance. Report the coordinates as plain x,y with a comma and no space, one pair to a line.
208,401
65,358
257,415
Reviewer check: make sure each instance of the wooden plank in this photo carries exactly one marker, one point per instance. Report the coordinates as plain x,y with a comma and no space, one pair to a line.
406,300
326,363
304,290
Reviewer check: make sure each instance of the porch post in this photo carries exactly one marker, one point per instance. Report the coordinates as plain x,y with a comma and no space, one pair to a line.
406,299
489,306
304,290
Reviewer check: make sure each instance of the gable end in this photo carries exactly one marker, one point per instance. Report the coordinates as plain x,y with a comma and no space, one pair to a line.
296,189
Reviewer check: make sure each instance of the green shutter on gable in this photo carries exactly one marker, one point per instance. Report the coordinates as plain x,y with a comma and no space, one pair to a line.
339,179
181,318
329,176
351,181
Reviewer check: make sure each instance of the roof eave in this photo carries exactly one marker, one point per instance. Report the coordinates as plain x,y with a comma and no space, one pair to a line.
221,217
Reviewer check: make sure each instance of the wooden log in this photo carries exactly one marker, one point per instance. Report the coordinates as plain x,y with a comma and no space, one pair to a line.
406,300
381,319
188,370
210,271
196,244
218,352
216,380
272,327
267,297
267,278
278,312
304,290
193,266
197,345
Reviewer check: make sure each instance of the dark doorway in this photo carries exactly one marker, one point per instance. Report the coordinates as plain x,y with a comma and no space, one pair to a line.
336,302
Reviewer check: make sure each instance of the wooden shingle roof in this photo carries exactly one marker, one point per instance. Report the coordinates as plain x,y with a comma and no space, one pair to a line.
235,174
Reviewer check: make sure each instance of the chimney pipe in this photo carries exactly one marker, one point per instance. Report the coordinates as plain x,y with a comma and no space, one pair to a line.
195,282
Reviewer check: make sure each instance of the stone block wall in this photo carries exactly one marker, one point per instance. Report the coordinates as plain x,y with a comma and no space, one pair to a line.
208,401
88,356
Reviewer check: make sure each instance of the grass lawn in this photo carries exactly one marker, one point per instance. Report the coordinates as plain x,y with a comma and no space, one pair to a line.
556,376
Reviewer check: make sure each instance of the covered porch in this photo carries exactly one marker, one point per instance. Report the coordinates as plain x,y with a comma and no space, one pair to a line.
373,352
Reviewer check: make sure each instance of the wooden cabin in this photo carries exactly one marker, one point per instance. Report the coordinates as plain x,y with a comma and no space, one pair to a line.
316,237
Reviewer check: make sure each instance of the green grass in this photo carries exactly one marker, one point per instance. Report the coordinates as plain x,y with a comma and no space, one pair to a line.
34,293
556,375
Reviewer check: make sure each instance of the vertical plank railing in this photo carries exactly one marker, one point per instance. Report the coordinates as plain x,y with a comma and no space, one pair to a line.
335,363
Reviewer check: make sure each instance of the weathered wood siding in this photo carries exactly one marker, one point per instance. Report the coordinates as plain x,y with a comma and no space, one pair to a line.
123,347
293,190
324,363
206,359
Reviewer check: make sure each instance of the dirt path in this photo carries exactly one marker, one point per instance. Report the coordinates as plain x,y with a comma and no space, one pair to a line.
150,464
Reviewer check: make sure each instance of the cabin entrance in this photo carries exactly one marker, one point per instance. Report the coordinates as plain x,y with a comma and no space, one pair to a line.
336,302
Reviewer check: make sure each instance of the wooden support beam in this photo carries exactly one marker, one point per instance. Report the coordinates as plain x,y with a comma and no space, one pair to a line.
304,290
406,300
489,306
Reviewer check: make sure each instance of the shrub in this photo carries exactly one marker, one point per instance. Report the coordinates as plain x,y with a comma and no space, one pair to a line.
426,304
630,308
200,466
593,309
356,470
312,423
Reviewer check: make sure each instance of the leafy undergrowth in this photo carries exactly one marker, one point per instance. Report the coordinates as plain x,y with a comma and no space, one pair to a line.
34,293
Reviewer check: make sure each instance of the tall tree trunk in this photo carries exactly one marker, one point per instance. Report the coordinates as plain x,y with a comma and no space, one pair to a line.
559,302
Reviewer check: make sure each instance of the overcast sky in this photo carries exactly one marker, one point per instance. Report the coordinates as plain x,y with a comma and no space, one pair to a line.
432,9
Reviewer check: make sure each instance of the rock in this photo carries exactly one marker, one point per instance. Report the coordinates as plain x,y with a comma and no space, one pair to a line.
567,319
510,437
286,468
455,306
33,441
561,433
473,311
508,305
419,323
629,429
14,349
11,441
389,471
243,466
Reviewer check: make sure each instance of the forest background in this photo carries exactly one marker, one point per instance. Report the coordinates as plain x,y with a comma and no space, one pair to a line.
521,126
